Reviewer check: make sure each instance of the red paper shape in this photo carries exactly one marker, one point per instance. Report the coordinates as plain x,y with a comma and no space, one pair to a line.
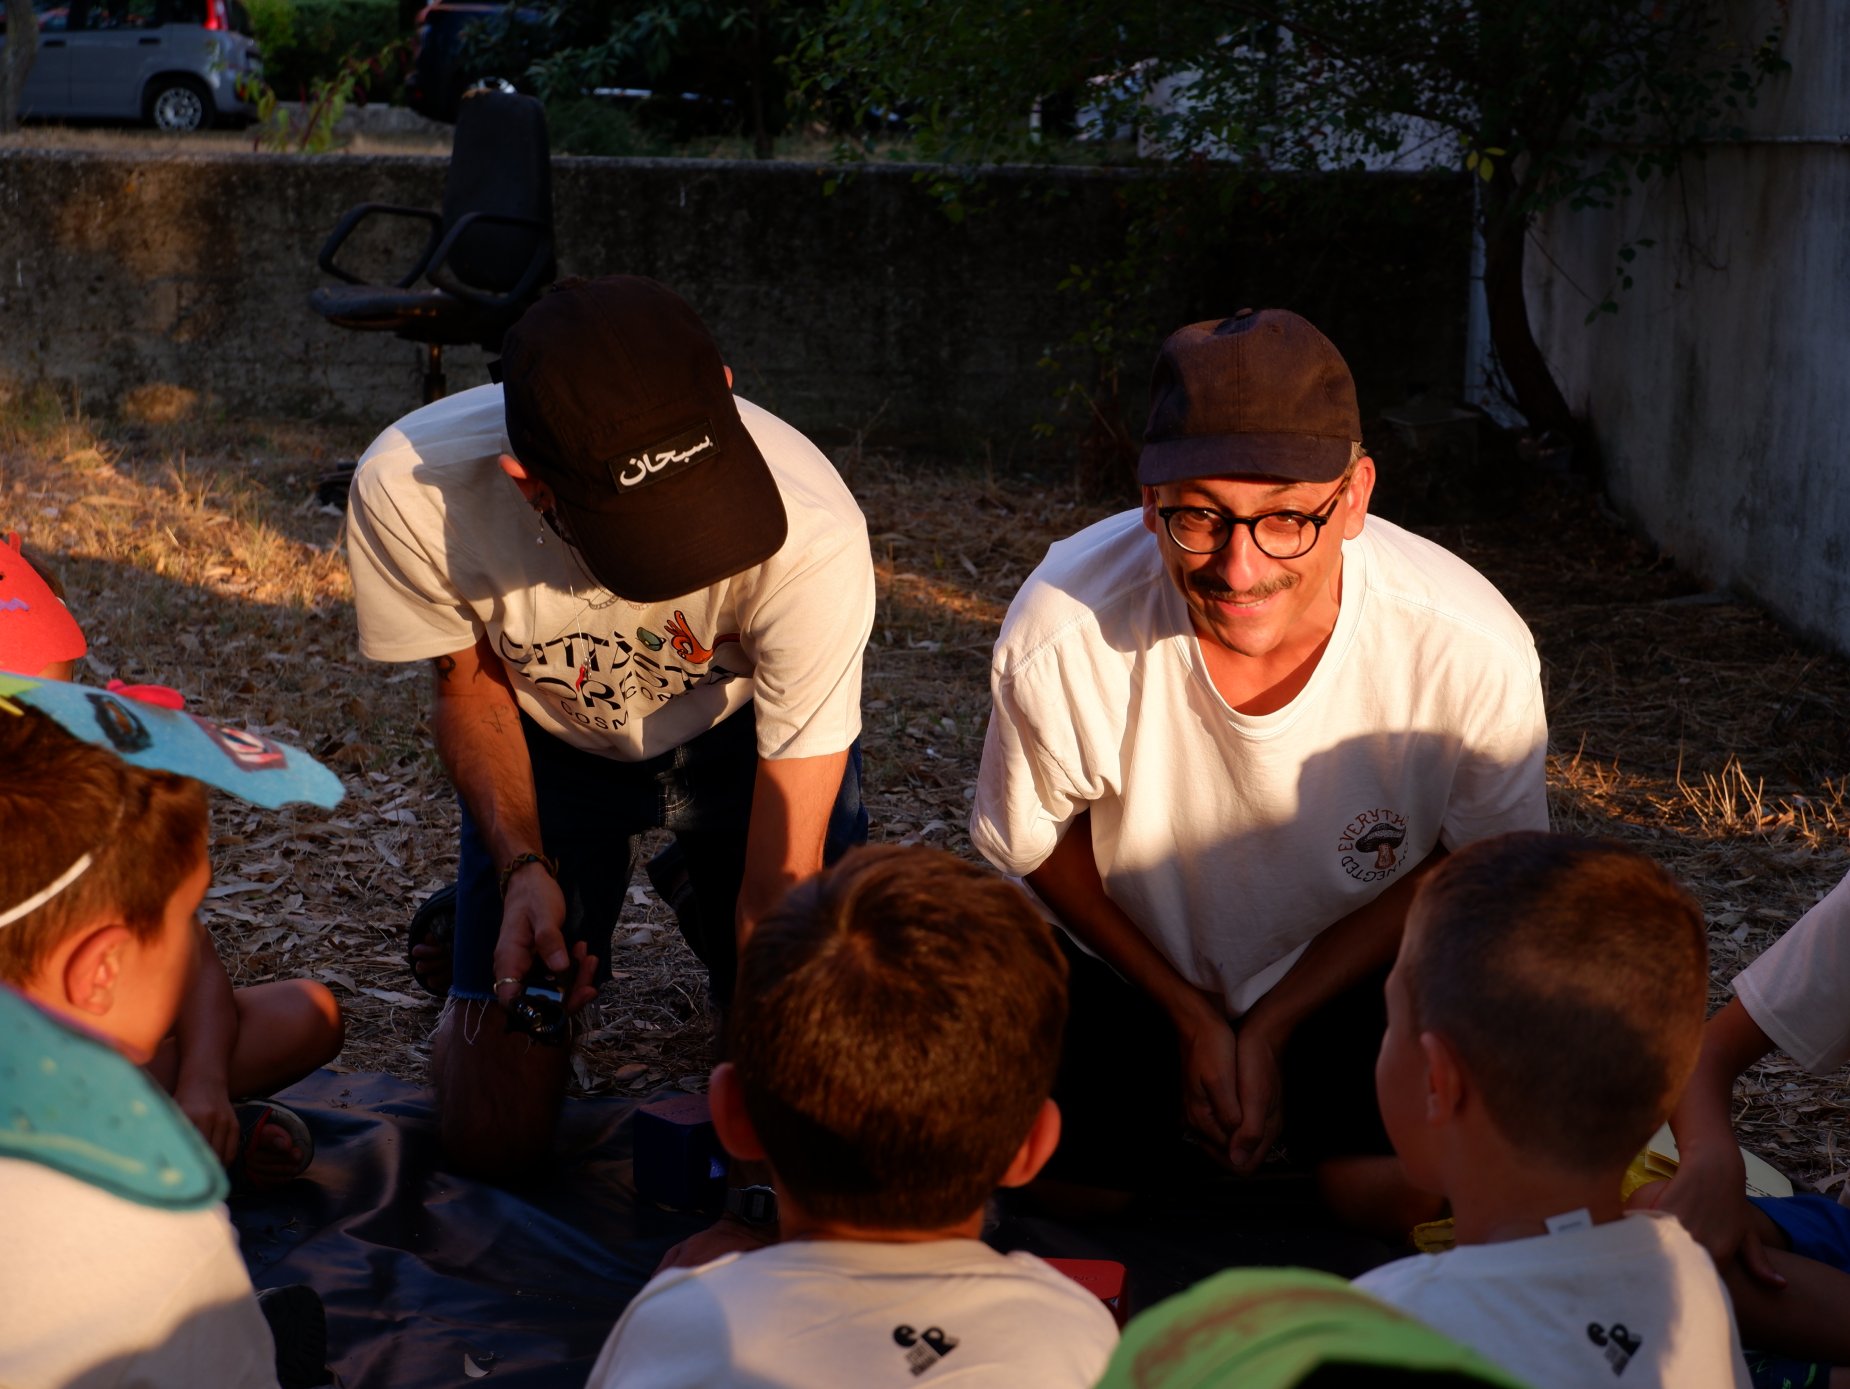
35,628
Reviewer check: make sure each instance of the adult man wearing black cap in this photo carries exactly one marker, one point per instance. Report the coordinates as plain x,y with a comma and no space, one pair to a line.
645,603
1230,733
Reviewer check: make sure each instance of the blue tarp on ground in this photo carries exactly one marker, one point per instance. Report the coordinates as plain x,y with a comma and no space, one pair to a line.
419,1268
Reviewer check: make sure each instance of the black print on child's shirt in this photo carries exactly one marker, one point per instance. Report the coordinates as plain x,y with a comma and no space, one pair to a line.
924,1348
1618,1343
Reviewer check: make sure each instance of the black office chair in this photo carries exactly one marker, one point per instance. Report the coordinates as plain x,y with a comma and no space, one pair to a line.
490,248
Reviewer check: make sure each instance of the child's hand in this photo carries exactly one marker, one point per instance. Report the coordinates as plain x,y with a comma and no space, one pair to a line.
1708,1195
725,1236
209,1107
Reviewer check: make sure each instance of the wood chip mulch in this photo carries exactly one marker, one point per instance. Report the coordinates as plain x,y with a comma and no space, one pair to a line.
1689,724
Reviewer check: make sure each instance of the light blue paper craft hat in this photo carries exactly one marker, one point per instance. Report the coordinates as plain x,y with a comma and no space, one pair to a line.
250,766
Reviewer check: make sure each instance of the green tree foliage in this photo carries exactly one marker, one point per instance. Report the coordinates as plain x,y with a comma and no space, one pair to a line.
731,52
308,43
1544,102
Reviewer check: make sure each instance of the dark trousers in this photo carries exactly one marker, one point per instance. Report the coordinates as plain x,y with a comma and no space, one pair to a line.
1120,1083
591,807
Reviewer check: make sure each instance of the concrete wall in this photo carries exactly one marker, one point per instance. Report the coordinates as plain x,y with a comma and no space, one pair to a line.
182,280
1720,392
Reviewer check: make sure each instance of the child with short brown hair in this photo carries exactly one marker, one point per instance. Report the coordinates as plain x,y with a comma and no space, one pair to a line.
893,1043
123,1267
1543,1016
228,1044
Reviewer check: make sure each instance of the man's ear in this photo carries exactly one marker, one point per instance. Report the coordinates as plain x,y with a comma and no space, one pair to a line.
1151,521
1043,1137
1361,488
537,493
728,371
726,1099
1447,1085
93,969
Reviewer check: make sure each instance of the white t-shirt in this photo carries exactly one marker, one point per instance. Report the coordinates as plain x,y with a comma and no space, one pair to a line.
1634,1302
444,549
103,1293
1799,988
814,1313
1233,839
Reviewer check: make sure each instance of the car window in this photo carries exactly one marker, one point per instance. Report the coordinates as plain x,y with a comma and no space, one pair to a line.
53,16
121,14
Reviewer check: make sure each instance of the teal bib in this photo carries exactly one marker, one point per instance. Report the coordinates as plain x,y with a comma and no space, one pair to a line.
75,1104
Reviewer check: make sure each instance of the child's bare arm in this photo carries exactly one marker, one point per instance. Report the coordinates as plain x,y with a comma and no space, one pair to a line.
1708,1193
207,1031
1804,1316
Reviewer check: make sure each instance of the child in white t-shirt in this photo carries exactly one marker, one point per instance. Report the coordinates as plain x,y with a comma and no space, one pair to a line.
121,1266
1543,1016
227,1045
1786,1260
893,1043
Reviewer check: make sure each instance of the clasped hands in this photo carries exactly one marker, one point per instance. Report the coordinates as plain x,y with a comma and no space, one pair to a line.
1231,1088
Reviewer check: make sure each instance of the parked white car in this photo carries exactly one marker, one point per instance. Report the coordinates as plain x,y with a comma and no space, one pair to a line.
179,65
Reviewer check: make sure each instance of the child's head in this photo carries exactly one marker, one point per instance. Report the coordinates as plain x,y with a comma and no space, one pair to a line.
895,1036
102,866
1564,980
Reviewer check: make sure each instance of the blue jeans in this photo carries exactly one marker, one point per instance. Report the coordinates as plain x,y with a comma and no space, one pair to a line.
591,807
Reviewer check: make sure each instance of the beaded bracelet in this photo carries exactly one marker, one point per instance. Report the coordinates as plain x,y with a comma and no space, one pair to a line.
520,861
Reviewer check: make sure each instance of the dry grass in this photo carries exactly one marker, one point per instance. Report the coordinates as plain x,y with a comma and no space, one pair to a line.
1695,729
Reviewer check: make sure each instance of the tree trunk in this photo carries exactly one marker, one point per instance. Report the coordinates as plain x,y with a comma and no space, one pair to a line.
762,147
22,46
1538,396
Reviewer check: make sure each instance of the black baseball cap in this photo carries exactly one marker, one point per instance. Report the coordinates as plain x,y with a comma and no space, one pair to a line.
1262,393
617,399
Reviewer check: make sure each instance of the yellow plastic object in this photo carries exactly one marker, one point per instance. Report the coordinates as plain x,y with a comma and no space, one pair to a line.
1657,1163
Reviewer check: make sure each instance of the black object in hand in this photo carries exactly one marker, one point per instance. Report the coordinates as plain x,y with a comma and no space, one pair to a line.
539,1009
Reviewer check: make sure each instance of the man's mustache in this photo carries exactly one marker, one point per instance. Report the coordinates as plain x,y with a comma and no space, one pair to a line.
1210,587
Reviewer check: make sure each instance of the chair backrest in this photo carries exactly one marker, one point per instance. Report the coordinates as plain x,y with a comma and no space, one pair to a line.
500,161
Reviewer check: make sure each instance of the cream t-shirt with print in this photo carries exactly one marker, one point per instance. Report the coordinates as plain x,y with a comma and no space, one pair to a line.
445,550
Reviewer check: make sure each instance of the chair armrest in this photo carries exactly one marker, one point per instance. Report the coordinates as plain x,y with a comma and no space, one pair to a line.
355,215
445,279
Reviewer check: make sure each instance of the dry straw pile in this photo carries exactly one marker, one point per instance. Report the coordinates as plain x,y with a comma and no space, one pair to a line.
1691,727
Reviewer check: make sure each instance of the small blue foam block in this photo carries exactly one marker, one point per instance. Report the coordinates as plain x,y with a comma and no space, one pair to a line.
679,1162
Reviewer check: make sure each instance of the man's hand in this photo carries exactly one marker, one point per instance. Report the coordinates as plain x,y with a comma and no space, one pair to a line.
726,1235
1210,1078
1230,1089
209,1107
532,921
1261,1094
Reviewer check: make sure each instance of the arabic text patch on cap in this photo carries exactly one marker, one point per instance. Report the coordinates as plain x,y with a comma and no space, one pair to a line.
617,399
1262,393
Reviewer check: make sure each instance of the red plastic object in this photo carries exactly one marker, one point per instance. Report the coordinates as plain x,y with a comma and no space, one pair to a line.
1103,1278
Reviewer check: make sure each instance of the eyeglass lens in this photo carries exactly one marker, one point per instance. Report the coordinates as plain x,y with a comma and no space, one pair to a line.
1281,535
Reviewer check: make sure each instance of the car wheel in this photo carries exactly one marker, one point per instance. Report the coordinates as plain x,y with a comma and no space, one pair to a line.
179,105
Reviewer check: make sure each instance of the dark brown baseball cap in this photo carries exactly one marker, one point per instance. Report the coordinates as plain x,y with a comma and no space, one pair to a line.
617,399
1262,393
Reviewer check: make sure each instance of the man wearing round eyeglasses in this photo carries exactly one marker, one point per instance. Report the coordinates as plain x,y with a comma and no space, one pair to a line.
1230,734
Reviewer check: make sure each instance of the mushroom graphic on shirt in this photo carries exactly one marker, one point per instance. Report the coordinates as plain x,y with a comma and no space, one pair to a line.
1382,841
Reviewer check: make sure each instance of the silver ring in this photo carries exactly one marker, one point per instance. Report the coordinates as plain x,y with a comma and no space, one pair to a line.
500,982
